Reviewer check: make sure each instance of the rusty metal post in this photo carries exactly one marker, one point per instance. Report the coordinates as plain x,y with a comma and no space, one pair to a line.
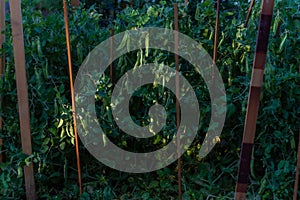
216,40
249,13
177,101
72,93
75,3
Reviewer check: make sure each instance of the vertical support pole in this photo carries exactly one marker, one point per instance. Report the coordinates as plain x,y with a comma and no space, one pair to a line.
19,59
216,39
177,101
297,166
111,54
115,3
75,3
185,2
297,171
249,13
72,93
2,61
0,152
253,99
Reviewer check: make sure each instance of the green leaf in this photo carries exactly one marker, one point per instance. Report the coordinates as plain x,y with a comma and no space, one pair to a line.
62,145
153,184
28,160
231,109
146,196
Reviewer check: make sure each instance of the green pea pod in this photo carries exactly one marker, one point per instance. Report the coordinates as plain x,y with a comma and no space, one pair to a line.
137,60
61,121
252,166
123,42
276,22
68,131
62,133
37,74
141,58
211,35
292,142
282,42
20,171
45,69
55,107
263,183
79,53
128,43
222,40
72,131
197,14
66,168
39,48
147,44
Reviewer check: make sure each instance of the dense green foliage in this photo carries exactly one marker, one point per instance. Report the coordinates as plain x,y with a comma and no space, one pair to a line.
274,156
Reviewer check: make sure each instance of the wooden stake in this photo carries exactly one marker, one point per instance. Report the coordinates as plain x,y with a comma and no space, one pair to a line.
253,99
249,13
177,101
297,167
72,93
20,68
297,171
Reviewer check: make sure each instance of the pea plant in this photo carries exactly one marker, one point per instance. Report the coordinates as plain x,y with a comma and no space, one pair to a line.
214,177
